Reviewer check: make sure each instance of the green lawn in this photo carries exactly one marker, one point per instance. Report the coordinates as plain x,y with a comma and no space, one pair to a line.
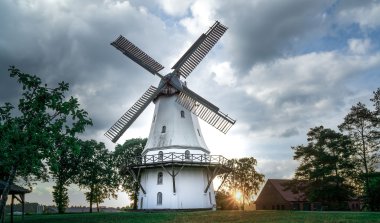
205,216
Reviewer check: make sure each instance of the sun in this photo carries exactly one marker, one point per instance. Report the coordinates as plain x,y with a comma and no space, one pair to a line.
238,196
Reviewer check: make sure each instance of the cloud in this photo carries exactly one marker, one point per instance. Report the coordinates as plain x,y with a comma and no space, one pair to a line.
364,13
224,75
289,132
261,31
359,46
175,8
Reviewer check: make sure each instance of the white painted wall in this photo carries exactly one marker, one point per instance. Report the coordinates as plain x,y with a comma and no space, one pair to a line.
181,134
190,185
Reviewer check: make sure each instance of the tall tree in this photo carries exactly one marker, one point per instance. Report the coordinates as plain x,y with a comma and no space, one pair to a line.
360,124
325,167
243,178
64,160
124,154
97,172
28,134
376,101
64,168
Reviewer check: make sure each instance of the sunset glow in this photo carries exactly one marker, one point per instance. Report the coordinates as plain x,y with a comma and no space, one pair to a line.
238,196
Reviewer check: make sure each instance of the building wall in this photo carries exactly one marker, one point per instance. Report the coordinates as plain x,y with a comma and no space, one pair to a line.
190,185
271,199
180,132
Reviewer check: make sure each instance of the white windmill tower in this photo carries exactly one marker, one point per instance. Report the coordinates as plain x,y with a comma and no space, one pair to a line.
175,170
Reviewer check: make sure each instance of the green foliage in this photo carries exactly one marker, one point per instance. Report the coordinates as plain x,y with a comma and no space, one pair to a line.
28,134
326,167
61,197
97,172
376,102
243,178
64,160
225,201
362,127
124,154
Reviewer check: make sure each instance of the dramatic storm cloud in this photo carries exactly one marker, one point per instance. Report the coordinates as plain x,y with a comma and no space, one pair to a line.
281,68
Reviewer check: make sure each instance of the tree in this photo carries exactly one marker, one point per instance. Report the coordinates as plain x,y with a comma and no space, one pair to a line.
64,168
325,167
243,178
64,160
28,134
97,172
374,184
124,154
226,201
360,124
376,102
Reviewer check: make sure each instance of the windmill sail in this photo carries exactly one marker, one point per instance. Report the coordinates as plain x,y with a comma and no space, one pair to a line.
115,132
194,55
205,110
137,55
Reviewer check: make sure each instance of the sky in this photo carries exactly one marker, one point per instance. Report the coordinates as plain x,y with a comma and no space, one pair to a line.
281,68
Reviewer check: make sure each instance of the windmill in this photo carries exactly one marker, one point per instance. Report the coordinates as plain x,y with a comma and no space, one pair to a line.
175,150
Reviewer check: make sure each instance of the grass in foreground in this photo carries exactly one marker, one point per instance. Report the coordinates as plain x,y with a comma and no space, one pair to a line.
205,216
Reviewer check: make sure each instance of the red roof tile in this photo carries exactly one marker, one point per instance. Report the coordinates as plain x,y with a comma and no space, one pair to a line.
279,185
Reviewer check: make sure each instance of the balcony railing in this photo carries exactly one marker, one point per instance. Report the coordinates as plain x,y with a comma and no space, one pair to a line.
165,158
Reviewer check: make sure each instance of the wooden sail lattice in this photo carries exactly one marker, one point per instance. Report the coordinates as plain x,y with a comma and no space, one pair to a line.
115,132
137,55
187,63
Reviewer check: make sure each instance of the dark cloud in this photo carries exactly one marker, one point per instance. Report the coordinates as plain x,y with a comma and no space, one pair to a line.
289,132
261,31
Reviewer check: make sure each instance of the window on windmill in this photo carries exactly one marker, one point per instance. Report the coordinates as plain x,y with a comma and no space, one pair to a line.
159,198
199,133
182,114
187,154
159,178
154,118
163,129
160,155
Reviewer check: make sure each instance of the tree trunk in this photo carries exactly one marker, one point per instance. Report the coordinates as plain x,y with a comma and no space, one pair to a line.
97,206
7,187
91,198
61,196
367,191
135,197
243,194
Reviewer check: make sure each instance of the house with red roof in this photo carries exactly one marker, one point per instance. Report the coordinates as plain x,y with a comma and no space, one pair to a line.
276,196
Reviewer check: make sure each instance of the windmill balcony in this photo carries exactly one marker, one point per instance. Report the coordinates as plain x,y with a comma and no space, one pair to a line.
179,159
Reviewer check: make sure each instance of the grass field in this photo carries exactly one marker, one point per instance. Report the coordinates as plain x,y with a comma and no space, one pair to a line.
205,217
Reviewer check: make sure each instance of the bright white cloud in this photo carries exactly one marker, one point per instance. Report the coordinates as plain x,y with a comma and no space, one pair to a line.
202,15
224,75
367,16
359,46
174,7
309,74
